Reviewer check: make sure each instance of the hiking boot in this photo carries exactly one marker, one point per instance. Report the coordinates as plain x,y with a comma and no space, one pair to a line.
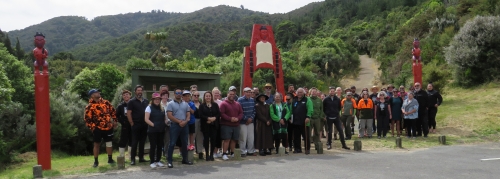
95,164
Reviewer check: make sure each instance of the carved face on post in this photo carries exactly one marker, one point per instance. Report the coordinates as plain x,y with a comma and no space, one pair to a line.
39,40
263,33
416,43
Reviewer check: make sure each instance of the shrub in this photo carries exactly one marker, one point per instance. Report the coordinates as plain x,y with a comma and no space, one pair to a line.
474,51
18,134
127,85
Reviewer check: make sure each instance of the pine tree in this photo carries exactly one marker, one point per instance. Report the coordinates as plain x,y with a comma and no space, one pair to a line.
8,45
19,50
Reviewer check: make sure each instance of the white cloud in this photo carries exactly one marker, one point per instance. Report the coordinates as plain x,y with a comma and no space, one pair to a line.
19,14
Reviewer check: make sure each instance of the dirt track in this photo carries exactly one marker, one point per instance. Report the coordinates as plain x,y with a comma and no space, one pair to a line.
368,76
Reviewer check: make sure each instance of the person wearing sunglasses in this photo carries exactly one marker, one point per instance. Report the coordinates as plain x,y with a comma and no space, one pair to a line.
268,92
179,112
423,103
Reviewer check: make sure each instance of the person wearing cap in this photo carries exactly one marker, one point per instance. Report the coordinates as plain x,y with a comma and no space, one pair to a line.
232,88
135,113
348,105
100,118
179,112
318,117
302,111
186,96
382,114
126,131
231,115
263,129
268,88
331,107
246,140
155,118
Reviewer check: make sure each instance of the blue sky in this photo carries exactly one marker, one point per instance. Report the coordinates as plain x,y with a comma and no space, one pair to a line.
19,14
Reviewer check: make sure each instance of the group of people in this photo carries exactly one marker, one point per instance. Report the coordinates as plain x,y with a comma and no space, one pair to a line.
256,122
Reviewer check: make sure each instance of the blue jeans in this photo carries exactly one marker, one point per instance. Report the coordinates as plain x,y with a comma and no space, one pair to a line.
177,131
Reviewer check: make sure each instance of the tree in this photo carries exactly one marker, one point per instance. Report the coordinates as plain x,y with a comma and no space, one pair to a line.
21,78
19,51
6,89
83,82
474,51
135,62
286,34
8,45
106,78
63,56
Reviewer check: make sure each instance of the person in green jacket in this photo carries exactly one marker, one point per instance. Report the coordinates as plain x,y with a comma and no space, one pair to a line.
302,111
318,117
280,114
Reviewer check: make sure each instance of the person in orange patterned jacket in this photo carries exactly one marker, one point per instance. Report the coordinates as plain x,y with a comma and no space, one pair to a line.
100,117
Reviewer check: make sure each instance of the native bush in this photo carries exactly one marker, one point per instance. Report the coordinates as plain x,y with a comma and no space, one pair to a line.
474,51
105,77
127,85
18,133
68,130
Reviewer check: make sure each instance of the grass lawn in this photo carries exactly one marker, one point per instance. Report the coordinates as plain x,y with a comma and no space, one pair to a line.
467,116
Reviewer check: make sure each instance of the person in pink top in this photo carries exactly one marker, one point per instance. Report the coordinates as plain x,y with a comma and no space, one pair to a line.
231,115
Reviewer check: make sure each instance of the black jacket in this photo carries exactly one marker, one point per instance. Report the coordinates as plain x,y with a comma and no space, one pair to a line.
331,106
434,98
205,112
121,114
423,100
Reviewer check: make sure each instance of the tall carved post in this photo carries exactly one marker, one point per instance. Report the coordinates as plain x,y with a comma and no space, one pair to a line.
417,62
42,103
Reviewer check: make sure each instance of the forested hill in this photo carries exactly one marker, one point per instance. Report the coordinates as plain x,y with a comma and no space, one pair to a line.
82,36
67,32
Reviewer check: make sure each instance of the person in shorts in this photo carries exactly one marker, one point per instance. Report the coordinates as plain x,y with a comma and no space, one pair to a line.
100,118
231,115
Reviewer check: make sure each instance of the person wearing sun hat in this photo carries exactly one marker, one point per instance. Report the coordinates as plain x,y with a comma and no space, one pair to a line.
100,118
268,91
264,130
155,119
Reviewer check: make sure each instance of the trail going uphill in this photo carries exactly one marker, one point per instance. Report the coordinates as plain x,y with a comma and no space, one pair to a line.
368,76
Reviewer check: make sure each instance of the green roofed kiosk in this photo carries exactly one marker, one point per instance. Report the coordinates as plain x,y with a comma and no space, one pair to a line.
174,79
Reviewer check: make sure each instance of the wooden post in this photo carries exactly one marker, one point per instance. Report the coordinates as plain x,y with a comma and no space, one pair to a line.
237,154
121,162
191,155
320,148
281,151
37,171
357,145
442,140
398,142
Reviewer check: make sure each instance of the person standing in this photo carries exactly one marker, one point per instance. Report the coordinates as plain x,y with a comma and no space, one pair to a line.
100,118
374,97
280,114
135,113
290,127
218,141
126,131
390,90
410,111
231,115
179,112
209,121
435,99
256,91
365,108
318,116
291,90
155,118
396,103
331,108
382,114
264,130
423,105
356,98
246,137
302,111
348,106
198,135
268,92
164,103
186,96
